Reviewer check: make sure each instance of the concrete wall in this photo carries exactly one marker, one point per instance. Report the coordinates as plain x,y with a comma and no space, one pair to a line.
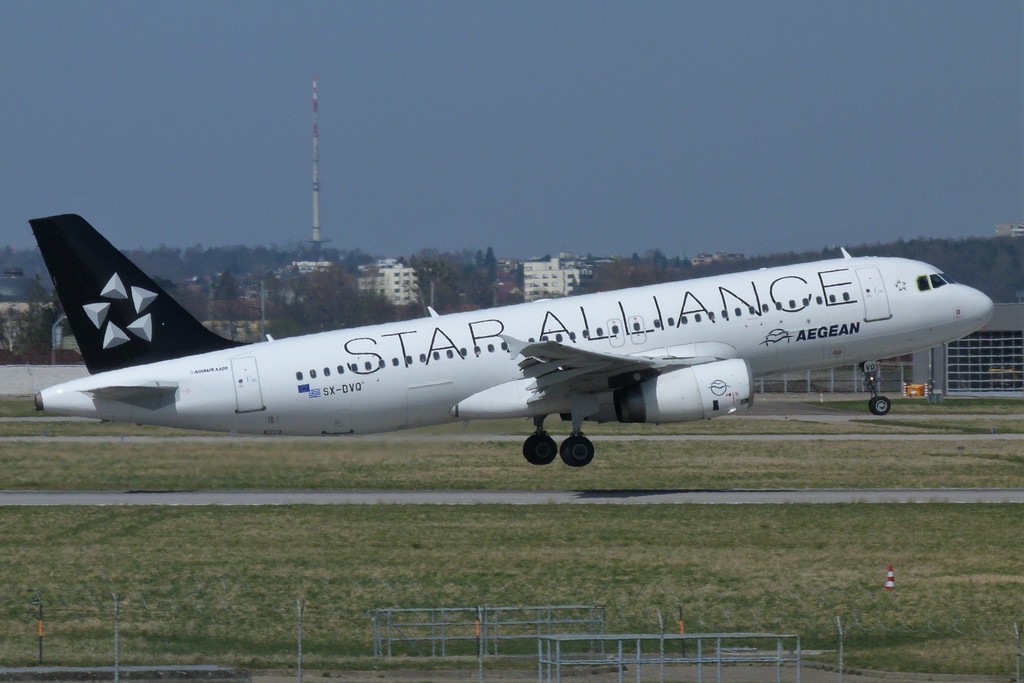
26,380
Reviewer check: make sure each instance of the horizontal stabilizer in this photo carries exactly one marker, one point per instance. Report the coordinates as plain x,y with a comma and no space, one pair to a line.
151,395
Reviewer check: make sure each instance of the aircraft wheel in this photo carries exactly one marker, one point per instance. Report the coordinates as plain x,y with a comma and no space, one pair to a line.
879,405
539,449
577,451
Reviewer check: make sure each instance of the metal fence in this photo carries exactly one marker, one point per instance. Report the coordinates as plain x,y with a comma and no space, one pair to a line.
635,652
450,631
891,377
121,634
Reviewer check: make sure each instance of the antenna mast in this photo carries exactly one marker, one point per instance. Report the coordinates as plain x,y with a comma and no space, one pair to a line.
317,240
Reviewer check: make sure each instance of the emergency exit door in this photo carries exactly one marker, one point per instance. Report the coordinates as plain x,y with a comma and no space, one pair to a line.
872,290
248,395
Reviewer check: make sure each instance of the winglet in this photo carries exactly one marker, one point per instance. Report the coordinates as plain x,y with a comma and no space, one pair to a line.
846,254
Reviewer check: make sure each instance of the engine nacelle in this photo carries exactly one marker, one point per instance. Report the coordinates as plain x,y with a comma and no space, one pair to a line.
694,393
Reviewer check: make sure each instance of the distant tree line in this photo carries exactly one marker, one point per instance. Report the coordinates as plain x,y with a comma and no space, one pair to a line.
222,284
26,328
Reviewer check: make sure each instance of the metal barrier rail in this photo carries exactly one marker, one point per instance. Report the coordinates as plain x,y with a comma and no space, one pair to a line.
718,649
890,378
441,627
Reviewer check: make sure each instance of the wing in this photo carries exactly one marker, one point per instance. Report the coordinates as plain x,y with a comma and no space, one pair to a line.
560,370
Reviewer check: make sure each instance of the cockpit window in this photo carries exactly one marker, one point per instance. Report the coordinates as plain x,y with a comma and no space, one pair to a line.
933,281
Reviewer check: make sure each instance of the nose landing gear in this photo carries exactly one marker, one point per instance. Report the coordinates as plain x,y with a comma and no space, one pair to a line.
877,404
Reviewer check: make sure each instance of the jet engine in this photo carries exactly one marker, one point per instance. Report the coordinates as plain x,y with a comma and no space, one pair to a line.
693,393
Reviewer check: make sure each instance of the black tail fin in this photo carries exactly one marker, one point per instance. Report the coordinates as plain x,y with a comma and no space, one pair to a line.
119,316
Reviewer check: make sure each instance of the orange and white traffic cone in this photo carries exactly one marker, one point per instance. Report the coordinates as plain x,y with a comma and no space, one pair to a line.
890,579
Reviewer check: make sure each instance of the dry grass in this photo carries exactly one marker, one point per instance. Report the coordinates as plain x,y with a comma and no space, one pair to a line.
321,464
955,405
724,427
219,585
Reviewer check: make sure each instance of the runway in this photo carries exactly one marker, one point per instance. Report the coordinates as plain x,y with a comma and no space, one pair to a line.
779,410
434,497
513,438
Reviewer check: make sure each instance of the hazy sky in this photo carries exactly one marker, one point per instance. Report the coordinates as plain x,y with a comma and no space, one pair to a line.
532,127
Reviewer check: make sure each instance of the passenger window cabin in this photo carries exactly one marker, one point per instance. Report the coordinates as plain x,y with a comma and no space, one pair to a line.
925,282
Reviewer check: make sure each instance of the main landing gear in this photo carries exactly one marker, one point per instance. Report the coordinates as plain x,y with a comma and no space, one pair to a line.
877,404
539,448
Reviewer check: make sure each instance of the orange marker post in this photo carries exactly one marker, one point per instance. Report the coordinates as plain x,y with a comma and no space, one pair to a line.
682,632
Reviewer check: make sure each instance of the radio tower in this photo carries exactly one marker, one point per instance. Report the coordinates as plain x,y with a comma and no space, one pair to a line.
317,240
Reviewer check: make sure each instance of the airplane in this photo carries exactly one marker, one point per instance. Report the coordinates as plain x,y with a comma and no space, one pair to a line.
671,352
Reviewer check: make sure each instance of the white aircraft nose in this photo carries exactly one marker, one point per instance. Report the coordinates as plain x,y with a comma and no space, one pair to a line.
980,306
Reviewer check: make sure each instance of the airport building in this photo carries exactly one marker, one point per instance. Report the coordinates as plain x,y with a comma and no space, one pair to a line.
717,257
391,279
555,277
989,362
306,267
14,291
1010,230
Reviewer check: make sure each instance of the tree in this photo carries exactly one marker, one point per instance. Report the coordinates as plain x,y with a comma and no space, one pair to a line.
25,329
225,287
329,299
438,280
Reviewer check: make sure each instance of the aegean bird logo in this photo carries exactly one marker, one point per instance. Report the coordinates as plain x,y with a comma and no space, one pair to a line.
718,387
775,336
114,291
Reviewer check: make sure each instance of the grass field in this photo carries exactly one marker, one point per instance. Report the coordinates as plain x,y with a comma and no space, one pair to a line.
980,406
406,465
219,585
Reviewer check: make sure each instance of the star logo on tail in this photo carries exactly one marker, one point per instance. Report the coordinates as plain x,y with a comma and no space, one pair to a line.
141,327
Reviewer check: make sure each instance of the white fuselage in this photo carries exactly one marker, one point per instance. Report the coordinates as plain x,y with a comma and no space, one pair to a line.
409,374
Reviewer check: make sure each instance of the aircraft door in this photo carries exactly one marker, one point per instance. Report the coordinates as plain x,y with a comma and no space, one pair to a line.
876,302
248,395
